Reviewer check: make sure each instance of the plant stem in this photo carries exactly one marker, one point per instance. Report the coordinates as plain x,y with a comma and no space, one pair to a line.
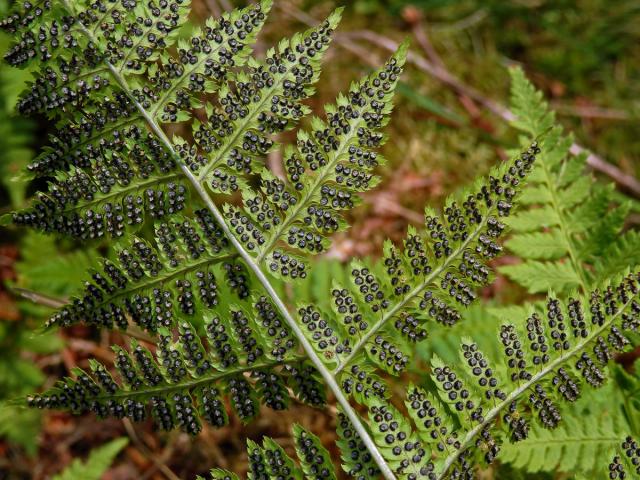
197,185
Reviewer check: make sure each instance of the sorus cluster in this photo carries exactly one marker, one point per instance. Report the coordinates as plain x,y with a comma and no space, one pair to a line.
304,380
430,421
481,370
220,343
279,337
317,462
359,460
322,334
631,451
242,398
271,388
245,335
454,392
439,310
548,412
388,354
361,383
408,451
82,140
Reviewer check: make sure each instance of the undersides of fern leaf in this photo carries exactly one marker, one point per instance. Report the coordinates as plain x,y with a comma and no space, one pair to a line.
383,311
251,360
482,402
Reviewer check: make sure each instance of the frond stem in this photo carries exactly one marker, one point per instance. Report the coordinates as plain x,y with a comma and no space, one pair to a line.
494,412
197,185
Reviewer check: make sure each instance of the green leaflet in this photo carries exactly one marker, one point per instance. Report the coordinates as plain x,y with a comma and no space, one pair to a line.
571,222
540,277
184,382
96,465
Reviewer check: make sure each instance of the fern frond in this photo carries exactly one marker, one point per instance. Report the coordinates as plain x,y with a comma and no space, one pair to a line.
384,308
571,222
236,131
250,360
575,446
480,400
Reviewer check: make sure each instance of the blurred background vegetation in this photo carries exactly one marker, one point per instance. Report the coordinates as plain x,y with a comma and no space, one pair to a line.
583,54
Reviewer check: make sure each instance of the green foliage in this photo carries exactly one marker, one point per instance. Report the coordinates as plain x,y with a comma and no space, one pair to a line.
578,445
112,75
575,446
571,235
382,310
185,382
96,465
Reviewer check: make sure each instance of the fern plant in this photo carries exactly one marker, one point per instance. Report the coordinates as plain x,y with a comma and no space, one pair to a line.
111,74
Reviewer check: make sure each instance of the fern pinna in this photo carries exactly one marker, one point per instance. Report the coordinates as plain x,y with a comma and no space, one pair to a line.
571,233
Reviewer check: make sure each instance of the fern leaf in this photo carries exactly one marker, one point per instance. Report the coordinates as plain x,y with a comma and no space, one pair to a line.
547,362
98,462
621,253
184,382
570,221
529,106
539,277
575,446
